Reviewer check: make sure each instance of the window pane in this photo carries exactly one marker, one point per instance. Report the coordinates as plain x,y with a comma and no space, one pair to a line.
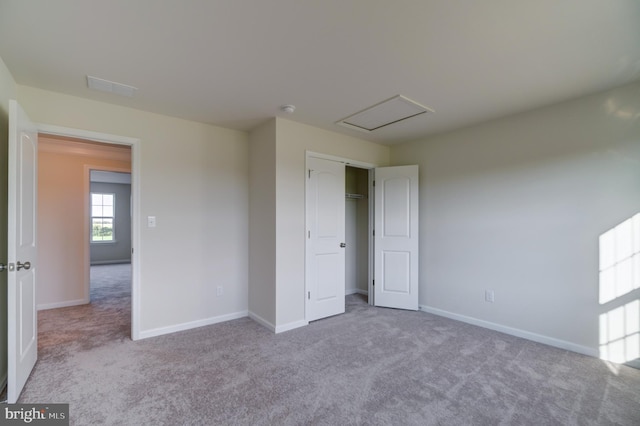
107,199
102,213
102,230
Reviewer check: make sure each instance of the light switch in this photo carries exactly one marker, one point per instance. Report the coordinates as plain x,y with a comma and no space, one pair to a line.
151,221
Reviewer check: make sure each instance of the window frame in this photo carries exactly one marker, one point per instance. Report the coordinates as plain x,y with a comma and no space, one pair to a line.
112,217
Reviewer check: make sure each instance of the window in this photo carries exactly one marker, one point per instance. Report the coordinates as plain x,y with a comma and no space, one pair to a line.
102,211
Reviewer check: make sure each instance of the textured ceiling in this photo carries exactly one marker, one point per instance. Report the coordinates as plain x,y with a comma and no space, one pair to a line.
233,63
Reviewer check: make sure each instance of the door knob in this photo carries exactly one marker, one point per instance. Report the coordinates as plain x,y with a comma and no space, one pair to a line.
25,265
343,245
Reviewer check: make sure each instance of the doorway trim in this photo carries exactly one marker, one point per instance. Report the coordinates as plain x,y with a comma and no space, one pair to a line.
370,167
135,145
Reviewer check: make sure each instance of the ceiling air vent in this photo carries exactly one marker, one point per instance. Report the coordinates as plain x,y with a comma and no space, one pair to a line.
110,86
392,110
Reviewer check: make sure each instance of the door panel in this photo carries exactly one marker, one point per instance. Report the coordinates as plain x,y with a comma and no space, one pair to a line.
327,281
396,237
325,258
396,271
396,217
21,249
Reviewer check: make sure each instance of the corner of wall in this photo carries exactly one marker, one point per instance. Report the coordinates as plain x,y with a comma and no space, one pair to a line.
262,217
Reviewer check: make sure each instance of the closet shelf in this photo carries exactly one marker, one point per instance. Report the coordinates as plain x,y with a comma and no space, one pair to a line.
355,196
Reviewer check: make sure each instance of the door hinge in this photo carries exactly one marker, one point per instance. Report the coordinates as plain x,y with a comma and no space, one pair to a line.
309,295
374,283
308,234
374,232
309,173
374,183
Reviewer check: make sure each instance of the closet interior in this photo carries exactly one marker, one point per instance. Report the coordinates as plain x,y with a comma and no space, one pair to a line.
357,230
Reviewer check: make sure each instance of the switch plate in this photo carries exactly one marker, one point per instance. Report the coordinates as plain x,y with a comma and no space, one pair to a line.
489,296
151,221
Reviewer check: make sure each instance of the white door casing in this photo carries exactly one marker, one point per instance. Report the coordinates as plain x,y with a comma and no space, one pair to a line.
396,237
325,252
22,251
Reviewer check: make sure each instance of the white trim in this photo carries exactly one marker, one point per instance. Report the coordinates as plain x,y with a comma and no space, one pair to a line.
65,304
135,144
290,326
85,134
110,262
370,239
190,325
263,322
277,328
346,161
562,344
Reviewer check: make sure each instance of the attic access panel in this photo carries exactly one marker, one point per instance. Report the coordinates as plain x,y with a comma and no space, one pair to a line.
389,111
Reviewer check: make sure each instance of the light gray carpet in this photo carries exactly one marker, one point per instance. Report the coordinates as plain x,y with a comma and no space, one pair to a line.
368,366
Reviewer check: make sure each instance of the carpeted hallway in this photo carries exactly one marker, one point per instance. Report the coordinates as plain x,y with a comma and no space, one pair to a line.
368,366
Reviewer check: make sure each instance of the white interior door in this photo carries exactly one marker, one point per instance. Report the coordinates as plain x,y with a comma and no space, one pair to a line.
325,254
396,237
22,216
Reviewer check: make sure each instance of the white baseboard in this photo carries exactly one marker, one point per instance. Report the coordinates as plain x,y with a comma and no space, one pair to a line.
189,325
277,328
263,322
562,344
291,326
355,291
65,304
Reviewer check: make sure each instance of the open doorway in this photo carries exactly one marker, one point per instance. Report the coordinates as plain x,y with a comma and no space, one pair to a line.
65,233
110,249
338,252
391,238
357,216
110,217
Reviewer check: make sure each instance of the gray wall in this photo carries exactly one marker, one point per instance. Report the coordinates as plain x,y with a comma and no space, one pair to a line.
120,251
518,206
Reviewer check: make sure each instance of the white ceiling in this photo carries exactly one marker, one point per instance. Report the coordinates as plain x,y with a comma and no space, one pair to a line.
234,62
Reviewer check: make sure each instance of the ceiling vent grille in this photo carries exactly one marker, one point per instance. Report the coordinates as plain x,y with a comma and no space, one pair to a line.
392,110
110,86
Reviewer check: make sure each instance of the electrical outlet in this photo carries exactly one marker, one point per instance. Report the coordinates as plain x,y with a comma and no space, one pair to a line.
489,296
219,290
151,221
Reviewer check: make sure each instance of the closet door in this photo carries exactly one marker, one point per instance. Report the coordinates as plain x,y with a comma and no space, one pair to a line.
325,248
396,237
